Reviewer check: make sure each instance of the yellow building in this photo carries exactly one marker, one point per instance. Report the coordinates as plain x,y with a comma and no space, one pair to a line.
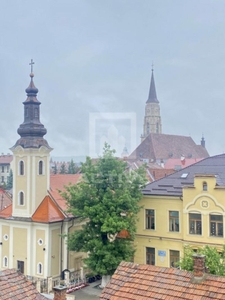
184,208
31,228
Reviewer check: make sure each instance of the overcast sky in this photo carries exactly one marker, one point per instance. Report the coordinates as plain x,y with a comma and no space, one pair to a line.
93,67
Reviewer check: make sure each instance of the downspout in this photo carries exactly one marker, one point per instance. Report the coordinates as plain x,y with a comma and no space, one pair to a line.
67,265
61,252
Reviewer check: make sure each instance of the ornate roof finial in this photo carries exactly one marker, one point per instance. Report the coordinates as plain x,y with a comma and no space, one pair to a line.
152,67
31,65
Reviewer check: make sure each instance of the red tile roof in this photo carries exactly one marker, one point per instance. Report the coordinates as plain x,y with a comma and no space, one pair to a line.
174,163
6,159
14,286
142,282
5,199
58,182
48,211
6,212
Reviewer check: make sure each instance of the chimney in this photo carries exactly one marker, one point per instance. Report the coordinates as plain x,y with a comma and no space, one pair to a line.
60,292
199,268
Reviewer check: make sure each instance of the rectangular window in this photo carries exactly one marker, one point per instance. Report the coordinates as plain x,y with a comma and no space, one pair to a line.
150,256
174,258
216,225
20,266
7,169
150,218
3,169
174,221
195,224
3,179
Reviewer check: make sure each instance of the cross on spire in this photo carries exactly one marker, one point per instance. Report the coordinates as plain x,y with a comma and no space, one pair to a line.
31,65
152,67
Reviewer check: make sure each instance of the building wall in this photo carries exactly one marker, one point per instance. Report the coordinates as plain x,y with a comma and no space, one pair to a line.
197,202
31,183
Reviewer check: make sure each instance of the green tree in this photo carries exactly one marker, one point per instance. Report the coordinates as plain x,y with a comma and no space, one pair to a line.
63,168
10,181
215,261
107,197
55,169
72,168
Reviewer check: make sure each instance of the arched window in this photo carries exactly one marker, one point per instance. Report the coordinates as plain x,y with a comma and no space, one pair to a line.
157,127
204,186
39,268
40,167
21,198
21,168
5,261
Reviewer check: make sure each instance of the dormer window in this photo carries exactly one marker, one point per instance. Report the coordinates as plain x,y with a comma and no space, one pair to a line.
21,168
204,186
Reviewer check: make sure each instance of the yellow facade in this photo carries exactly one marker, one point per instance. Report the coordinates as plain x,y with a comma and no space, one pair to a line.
167,223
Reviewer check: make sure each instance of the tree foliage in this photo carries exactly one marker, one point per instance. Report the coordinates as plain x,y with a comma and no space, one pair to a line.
72,168
63,169
215,261
106,191
55,169
9,184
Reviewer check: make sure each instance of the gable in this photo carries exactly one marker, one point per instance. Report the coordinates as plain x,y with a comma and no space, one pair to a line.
48,212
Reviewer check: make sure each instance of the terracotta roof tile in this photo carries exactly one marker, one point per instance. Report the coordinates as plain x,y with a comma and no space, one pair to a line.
6,158
58,182
5,199
160,283
48,212
15,286
6,212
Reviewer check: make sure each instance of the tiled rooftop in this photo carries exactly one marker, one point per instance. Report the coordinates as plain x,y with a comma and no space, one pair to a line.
163,146
14,286
172,184
5,199
47,212
142,282
6,158
58,182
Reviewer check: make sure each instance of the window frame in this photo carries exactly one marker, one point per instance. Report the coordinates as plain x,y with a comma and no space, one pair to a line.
217,222
20,266
5,262
204,186
173,223
150,256
194,230
21,168
149,224
40,268
172,261
41,167
21,198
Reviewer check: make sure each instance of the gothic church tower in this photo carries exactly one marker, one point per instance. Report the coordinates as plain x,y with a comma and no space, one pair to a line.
152,119
30,158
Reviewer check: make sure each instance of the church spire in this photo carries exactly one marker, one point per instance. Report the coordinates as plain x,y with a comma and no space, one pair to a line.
152,97
32,130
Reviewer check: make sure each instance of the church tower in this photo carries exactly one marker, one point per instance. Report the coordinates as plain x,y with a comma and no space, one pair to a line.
31,171
152,119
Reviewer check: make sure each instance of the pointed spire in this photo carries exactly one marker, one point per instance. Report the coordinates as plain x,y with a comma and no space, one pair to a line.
152,97
32,130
